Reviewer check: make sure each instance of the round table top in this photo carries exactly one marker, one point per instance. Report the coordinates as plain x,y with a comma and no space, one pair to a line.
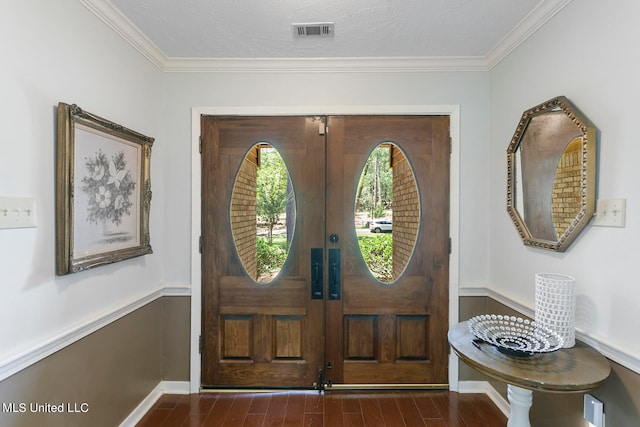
578,369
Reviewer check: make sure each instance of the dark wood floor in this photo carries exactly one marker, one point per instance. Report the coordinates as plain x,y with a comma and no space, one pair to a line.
389,409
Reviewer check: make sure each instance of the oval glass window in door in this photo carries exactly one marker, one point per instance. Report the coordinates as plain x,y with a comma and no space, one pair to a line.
262,213
387,212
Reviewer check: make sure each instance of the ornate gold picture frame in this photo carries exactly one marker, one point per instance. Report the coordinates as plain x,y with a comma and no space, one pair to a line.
103,191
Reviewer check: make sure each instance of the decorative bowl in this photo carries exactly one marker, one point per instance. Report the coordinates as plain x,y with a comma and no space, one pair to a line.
514,336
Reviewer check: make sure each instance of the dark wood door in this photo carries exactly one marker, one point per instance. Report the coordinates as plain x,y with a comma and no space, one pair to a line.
390,333
261,334
367,333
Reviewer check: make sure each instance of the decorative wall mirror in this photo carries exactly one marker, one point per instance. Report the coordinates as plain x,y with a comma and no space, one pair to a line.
551,174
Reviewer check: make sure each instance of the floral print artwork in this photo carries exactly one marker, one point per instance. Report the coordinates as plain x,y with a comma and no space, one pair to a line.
109,186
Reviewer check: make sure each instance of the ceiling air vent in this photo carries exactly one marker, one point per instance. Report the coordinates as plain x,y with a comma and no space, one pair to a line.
316,29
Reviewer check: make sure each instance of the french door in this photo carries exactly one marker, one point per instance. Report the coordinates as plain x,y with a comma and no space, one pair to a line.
325,319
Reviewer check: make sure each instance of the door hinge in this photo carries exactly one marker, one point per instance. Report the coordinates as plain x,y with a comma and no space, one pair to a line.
200,344
449,245
200,244
450,145
200,145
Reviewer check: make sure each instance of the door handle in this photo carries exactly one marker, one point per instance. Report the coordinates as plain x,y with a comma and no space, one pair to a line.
334,274
317,282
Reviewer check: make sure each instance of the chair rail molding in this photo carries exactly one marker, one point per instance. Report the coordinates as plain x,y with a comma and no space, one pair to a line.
26,358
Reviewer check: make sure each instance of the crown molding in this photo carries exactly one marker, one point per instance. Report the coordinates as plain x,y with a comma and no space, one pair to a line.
542,13
114,19
390,64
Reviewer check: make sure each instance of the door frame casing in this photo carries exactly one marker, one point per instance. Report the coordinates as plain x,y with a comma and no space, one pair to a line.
453,111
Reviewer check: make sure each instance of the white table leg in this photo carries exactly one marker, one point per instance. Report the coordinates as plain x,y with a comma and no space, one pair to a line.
520,400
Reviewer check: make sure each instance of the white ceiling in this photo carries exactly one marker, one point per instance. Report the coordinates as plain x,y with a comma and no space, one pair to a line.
226,34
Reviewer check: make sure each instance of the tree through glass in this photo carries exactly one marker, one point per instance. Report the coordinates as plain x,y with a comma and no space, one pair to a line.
387,212
263,213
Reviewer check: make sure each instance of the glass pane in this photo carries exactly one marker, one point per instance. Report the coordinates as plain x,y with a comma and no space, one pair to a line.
387,212
262,213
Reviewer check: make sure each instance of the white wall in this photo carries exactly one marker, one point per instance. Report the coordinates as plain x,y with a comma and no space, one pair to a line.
53,51
58,51
588,53
325,92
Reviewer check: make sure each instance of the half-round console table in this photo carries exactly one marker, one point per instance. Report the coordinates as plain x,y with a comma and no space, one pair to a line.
569,370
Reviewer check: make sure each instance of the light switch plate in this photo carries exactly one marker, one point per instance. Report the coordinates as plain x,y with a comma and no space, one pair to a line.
17,212
610,213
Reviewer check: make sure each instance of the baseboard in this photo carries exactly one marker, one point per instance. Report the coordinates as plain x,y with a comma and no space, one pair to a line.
164,387
486,388
33,355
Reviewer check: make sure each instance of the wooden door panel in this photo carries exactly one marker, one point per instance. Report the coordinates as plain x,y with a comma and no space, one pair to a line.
251,374
237,337
410,296
262,338
400,373
240,295
277,335
258,335
360,337
412,337
386,338
288,337
390,333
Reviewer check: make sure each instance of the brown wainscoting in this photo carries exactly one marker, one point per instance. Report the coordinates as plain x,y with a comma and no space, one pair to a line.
388,409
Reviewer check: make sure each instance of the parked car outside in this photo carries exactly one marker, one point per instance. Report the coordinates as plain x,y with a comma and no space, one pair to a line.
380,226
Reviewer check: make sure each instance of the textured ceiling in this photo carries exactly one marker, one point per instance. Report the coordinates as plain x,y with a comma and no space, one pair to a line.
363,28
370,35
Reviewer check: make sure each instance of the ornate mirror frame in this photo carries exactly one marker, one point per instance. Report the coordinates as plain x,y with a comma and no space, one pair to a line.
543,126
